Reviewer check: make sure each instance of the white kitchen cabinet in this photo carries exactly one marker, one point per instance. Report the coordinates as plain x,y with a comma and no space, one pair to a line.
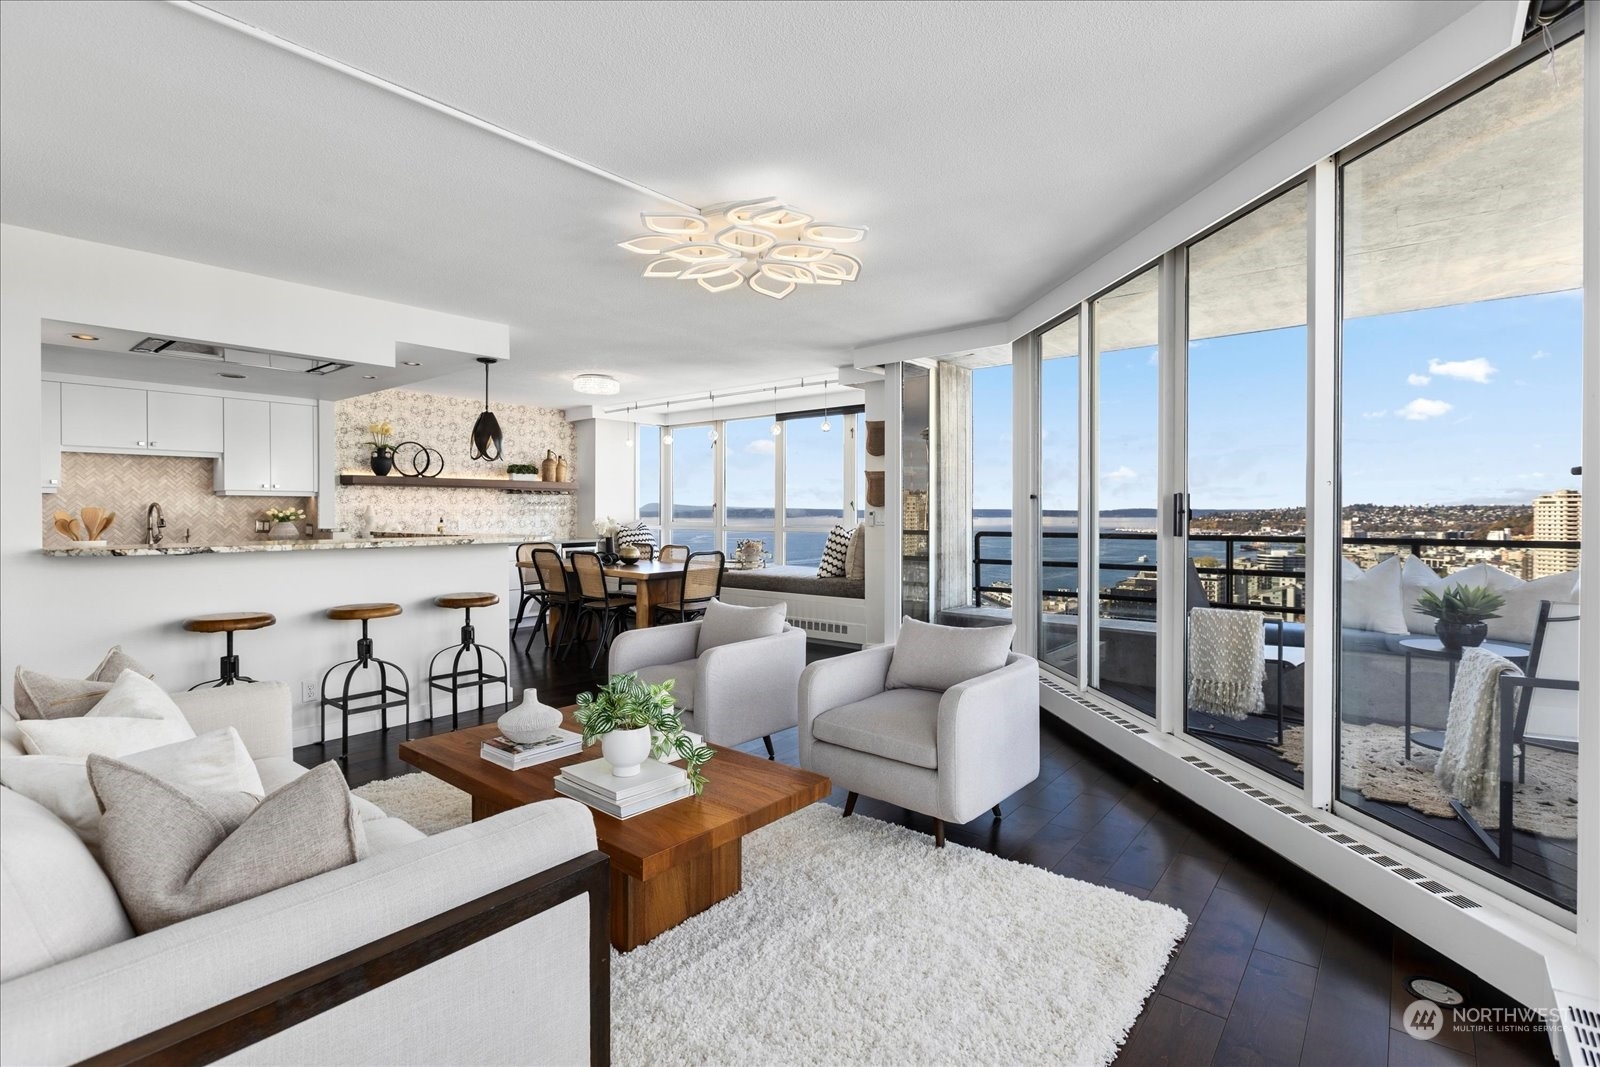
103,417
183,422
294,449
268,449
50,437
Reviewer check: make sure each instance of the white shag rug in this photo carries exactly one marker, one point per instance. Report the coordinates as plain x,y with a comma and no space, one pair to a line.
856,941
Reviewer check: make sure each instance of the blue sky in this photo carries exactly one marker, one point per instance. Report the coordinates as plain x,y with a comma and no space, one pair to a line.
1475,403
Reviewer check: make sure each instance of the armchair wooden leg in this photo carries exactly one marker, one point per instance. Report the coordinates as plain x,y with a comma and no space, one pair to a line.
997,815
771,752
938,833
849,805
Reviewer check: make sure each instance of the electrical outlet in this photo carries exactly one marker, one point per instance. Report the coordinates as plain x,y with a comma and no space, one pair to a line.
308,692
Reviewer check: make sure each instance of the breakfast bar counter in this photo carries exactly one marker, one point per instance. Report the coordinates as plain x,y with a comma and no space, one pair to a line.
298,545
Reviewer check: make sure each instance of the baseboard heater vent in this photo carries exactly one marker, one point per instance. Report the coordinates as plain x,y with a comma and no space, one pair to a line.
1105,713
1393,866
1580,1028
820,626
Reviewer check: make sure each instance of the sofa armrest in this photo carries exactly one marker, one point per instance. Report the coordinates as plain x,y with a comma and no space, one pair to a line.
653,645
830,683
262,712
988,738
288,955
749,689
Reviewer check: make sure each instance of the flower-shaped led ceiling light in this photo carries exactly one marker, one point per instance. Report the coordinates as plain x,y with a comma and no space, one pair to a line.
768,244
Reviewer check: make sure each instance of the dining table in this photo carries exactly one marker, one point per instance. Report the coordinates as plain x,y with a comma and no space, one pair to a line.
653,582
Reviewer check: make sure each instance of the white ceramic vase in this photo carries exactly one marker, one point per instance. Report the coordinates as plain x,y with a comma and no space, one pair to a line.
626,750
283,531
530,720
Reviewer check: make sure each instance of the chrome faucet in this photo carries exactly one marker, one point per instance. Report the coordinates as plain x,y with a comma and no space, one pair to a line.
153,525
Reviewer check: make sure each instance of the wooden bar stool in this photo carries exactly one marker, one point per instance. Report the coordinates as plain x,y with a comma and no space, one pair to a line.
227,623
455,679
381,699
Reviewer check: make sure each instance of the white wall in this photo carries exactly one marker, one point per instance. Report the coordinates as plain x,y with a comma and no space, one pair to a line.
605,472
60,614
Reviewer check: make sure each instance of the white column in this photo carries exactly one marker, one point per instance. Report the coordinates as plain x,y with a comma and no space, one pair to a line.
1172,544
1589,624
604,460
1322,505
1025,446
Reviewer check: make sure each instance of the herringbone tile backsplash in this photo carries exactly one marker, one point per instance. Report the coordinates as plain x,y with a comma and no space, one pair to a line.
182,486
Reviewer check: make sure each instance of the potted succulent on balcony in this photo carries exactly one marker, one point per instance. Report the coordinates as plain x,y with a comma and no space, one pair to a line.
523,472
635,720
1462,613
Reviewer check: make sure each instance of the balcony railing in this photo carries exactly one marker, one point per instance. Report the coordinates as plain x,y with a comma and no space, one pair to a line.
1228,571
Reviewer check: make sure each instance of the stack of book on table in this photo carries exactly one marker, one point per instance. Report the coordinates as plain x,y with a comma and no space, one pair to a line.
515,756
594,784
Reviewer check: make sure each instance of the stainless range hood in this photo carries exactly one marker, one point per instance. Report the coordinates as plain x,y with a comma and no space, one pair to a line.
239,357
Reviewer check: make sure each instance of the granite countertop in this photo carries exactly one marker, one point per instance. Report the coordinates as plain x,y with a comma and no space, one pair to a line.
300,545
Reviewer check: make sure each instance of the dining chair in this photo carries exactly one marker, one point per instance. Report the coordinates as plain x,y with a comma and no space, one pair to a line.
596,602
532,588
558,595
700,584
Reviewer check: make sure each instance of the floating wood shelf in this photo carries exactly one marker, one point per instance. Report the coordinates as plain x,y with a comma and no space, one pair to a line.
505,485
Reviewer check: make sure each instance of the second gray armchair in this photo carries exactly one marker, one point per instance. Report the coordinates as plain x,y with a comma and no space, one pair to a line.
945,723
736,672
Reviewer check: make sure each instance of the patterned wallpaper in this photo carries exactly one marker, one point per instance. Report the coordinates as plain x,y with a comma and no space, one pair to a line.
182,486
445,423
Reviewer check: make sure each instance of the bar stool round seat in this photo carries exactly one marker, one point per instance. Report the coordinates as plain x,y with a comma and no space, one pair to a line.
363,612
466,600
467,669
228,623
383,695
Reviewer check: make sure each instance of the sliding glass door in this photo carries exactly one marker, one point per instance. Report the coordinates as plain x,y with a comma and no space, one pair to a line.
1059,550
1462,421
1245,579
1127,399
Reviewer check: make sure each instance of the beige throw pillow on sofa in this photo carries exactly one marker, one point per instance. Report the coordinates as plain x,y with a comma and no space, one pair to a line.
728,624
173,856
45,696
928,656
214,762
133,715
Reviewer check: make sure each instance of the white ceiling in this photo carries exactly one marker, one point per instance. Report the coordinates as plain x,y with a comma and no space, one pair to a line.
992,147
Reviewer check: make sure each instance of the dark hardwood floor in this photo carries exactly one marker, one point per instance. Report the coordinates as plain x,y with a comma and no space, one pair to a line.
1276,969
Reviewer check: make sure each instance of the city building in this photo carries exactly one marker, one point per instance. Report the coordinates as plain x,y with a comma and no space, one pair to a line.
1557,516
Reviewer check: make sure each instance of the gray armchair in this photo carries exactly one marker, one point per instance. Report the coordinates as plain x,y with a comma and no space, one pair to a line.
731,693
947,754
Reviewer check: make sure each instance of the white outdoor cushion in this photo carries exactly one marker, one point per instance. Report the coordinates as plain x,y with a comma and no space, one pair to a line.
55,902
727,624
899,724
1372,601
927,656
682,675
214,762
1416,578
133,716
1520,614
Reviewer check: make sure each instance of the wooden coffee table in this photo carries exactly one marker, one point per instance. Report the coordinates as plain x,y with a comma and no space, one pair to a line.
666,864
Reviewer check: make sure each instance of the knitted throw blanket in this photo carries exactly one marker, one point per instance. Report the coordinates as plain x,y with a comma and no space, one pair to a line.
1469,766
1227,667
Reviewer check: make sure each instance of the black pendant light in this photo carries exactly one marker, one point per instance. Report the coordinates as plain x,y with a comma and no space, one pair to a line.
486,436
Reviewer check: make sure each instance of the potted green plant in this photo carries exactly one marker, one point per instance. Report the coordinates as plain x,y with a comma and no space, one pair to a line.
635,720
523,472
1462,613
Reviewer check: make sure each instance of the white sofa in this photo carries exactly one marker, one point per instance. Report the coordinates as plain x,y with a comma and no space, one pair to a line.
412,955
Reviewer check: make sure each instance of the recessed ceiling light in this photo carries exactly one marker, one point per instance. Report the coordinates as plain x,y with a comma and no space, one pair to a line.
229,374
411,363
369,377
84,337
597,384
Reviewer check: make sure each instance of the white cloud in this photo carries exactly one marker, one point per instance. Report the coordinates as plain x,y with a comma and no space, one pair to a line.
1423,408
1477,370
1121,474
762,446
1541,354
1373,414
1417,379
